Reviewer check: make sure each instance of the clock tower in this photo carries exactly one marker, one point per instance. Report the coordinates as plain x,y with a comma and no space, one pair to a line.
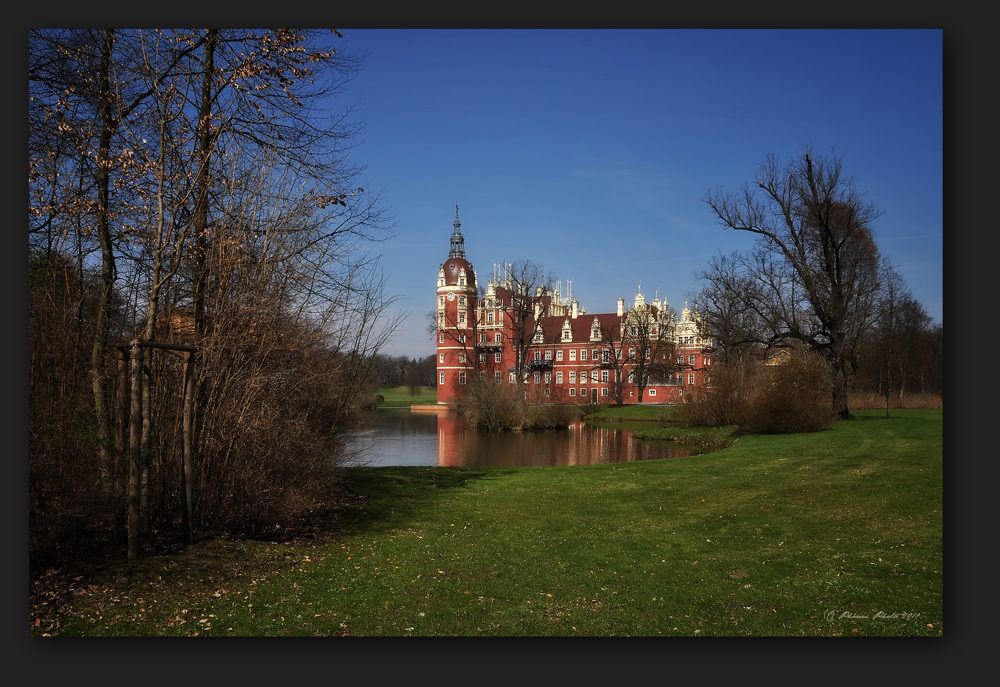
456,313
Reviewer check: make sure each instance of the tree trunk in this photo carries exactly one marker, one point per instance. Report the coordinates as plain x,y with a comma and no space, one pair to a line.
202,185
135,455
107,255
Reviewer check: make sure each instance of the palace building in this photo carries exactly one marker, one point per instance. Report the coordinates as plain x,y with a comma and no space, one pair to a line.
561,353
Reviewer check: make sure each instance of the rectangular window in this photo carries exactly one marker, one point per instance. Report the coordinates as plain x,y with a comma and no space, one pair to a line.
604,391
548,391
572,376
461,378
489,317
461,357
583,354
652,392
606,356
538,378
482,357
498,357
691,378
604,375
498,375
548,355
461,318
559,356
538,355
440,377
510,378
548,377
572,354
441,358
594,354
482,338
583,391
496,338
461,301
691,360
572,391
593,375
559,377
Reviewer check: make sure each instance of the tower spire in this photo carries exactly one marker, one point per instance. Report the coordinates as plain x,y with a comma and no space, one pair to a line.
457,240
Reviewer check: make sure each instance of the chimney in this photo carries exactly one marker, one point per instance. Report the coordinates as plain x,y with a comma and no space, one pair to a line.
576,309
621,307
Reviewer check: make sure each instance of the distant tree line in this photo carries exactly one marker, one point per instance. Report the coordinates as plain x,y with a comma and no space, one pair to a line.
404,371
190,187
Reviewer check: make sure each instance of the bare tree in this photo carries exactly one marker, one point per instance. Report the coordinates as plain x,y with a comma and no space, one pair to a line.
651,345
814,271
219,209
524,298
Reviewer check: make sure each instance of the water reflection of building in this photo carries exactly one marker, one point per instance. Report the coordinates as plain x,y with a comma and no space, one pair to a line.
451,440
580,444
569,359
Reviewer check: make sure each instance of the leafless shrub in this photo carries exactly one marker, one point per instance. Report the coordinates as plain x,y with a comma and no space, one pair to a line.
787,398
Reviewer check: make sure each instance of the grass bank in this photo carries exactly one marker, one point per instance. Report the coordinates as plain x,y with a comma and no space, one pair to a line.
833,533
398,396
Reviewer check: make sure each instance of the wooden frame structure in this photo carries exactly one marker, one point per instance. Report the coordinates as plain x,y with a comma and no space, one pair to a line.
132,353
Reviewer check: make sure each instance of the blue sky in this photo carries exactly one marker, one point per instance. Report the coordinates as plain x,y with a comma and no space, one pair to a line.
588,151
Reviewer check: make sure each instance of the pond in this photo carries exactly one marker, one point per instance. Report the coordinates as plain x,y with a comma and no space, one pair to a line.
401,437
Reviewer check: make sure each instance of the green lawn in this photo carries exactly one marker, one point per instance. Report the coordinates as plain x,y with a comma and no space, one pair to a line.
400,396
834,533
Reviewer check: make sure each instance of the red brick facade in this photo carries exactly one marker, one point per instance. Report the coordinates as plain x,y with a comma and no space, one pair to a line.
574,356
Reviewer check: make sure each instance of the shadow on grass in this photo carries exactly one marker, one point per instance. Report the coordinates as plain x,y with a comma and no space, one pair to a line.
383,497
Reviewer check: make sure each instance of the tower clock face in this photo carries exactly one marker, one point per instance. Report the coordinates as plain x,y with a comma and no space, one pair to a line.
451,296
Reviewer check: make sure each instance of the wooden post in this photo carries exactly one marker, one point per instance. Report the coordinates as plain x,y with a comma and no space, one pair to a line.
186,473
135,452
